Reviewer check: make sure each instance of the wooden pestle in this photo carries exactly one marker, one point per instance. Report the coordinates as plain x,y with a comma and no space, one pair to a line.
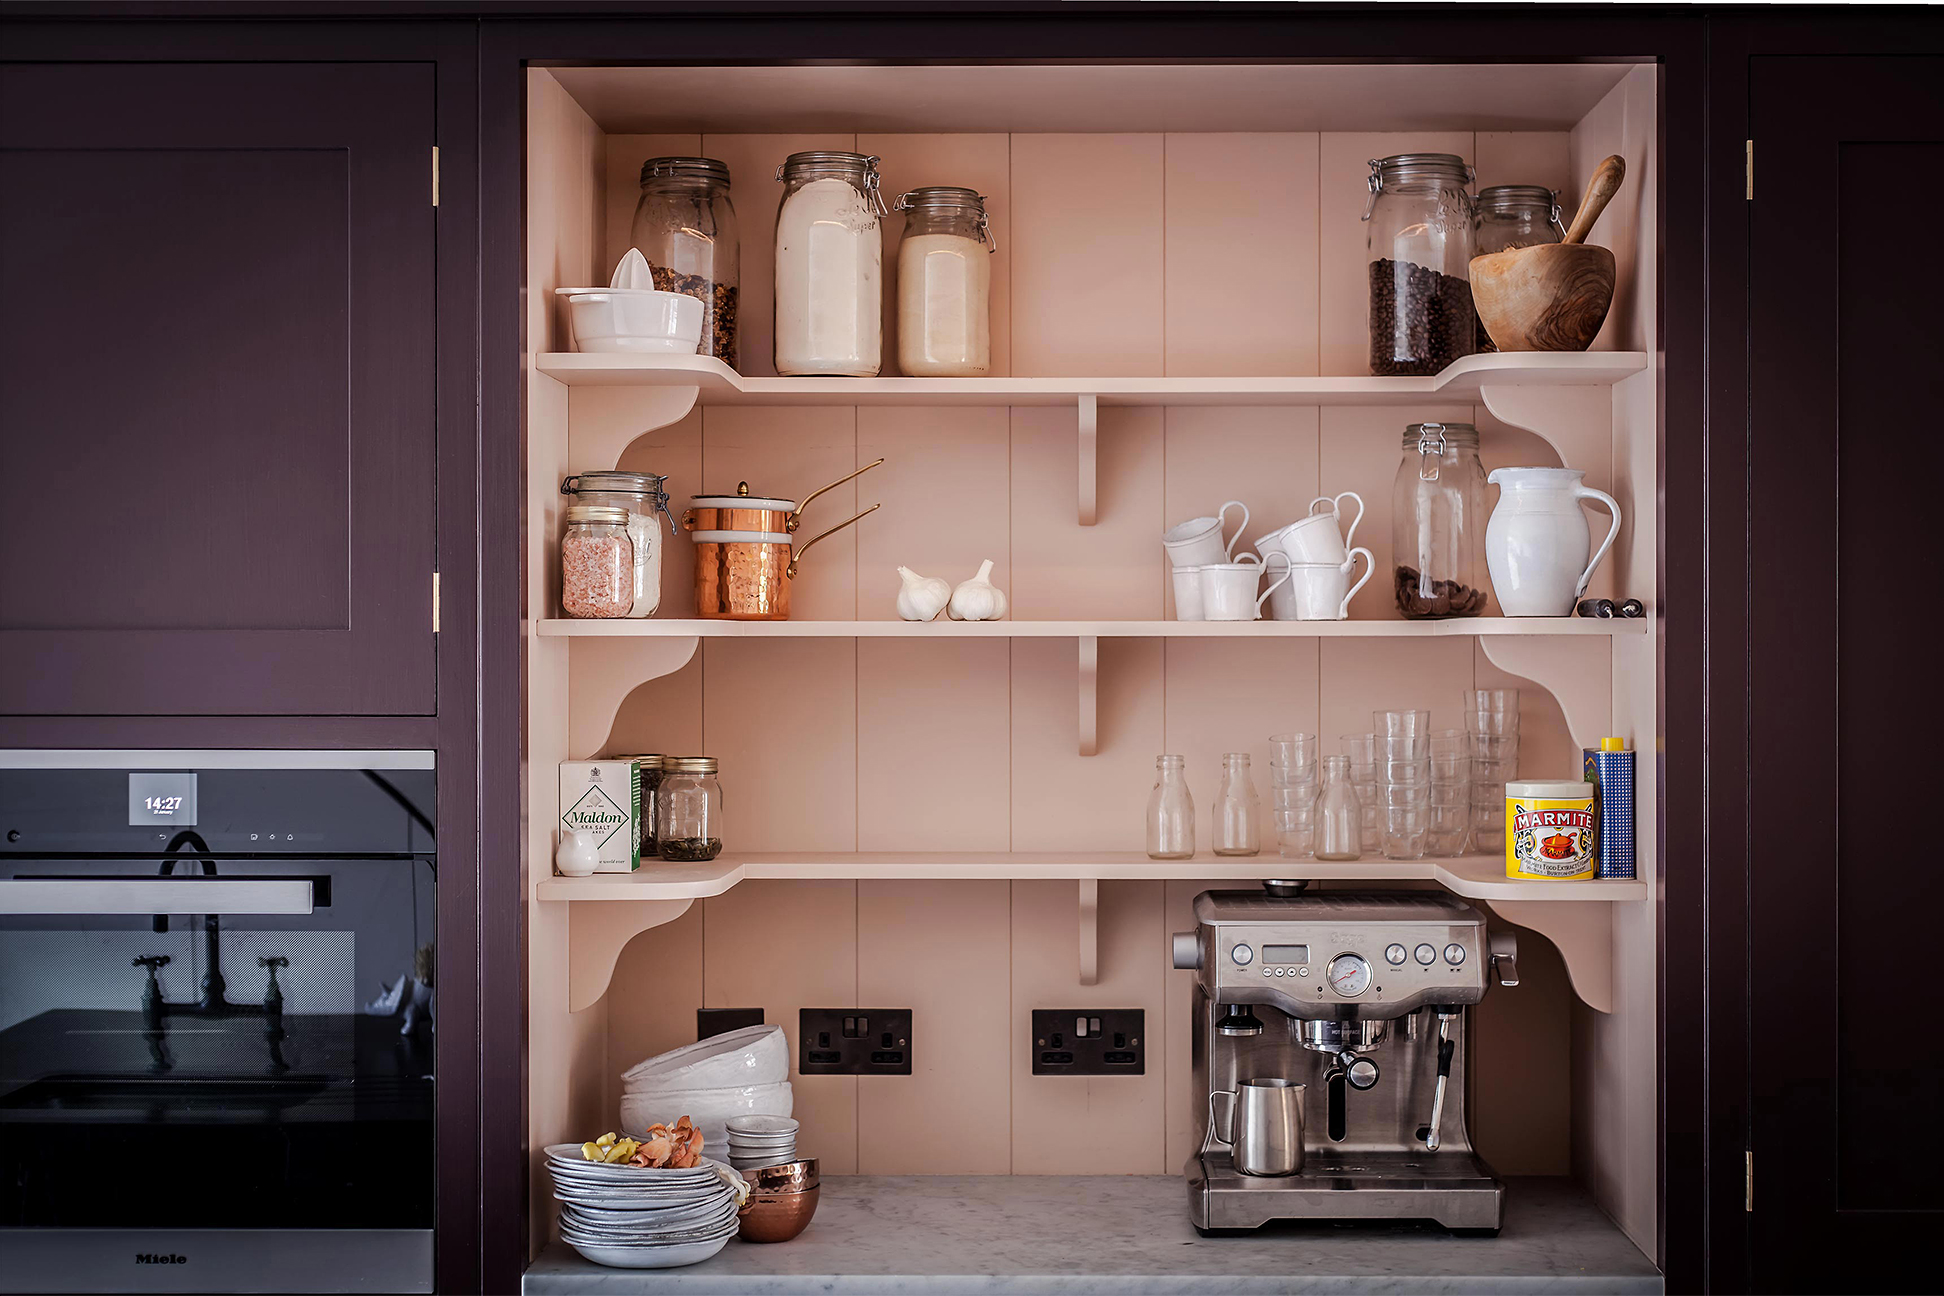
1599,192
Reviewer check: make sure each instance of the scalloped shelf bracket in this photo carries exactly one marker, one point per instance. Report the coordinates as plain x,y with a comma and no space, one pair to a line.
596,935
1560,666
1583,932
1577,422
651,409
606,671
1089,442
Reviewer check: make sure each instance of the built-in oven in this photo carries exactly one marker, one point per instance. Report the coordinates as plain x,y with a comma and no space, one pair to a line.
218,993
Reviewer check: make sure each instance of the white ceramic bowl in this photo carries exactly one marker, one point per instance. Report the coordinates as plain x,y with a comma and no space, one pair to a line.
653,1257
708,1108
753,1055
634,319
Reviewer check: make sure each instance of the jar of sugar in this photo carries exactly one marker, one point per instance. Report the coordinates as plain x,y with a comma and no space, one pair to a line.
829,266
944,284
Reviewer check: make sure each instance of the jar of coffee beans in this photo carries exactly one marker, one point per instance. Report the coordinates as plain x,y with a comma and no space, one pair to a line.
1437,523
688,809
685,226
1420,223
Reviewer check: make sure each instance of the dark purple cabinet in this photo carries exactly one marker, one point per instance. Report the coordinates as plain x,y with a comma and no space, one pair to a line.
218,389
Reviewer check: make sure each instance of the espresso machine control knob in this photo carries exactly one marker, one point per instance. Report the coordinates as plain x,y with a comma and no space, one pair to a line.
1187,951
1362,1074
1395,955
1241,954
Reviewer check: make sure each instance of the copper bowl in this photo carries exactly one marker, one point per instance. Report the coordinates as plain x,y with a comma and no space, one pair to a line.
777,1216
787,1177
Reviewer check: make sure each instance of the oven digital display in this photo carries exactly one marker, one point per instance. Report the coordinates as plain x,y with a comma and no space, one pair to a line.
161,799
1285,955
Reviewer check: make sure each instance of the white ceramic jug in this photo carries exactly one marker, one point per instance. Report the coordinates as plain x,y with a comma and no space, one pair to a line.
1536,545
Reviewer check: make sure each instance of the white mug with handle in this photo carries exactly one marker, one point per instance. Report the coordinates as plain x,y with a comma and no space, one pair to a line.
1198,541
1317,537
1323,590
1229,591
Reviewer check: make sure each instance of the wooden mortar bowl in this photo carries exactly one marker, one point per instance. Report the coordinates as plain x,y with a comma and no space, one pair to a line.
1550,297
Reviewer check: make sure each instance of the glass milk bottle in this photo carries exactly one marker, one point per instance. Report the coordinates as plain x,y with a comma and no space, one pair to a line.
829,266
1236,832
1339,820
944,284
1170,811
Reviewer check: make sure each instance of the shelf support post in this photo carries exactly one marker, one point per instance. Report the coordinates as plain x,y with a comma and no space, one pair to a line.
1089,673
1088,439
1089,931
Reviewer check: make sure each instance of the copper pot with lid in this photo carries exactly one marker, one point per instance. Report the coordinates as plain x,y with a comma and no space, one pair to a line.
746,553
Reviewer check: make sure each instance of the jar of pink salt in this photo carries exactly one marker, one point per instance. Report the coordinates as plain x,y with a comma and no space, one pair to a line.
596,563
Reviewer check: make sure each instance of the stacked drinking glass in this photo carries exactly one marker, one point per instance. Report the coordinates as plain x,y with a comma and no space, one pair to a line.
1450,792
1293,780
1365,778
1404,773
1492,724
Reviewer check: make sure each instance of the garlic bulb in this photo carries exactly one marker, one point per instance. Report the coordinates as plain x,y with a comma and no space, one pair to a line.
922,597
978,599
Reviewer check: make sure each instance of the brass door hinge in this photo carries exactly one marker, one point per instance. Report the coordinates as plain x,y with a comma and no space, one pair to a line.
435,175
1750,169
1748,1180
435,602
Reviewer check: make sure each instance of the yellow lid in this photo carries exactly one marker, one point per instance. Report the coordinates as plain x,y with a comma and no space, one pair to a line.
1613,744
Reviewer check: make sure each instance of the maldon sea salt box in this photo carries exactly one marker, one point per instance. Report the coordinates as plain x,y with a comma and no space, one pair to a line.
604,797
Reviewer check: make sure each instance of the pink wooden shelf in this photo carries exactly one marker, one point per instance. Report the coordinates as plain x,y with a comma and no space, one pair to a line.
718,384
1462,627
1480,877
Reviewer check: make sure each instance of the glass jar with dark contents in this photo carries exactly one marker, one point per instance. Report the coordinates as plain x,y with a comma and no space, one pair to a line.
1438,522
688,809
649,767
685,226
1419,226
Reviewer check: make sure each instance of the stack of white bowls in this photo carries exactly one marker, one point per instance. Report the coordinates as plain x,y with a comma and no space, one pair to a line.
632,1217
743,1073
758,1141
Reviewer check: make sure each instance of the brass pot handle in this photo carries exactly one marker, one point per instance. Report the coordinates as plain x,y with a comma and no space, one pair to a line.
791,570
790,523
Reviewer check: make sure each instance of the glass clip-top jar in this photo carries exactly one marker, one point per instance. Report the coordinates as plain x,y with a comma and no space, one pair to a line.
685,226
829,265
1420,221
596,563
944,283
688,809
1515,216
641,496
1438,522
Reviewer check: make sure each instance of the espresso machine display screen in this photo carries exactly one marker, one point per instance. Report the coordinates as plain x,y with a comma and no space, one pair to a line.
1339,1096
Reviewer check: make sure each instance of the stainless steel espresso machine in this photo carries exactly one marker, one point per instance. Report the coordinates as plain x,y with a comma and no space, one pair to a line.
1360,998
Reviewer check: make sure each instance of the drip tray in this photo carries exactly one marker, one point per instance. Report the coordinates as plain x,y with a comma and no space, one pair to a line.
1449,1188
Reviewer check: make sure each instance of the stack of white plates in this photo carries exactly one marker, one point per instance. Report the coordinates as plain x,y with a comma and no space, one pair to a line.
758,1141
745,1072
635,1218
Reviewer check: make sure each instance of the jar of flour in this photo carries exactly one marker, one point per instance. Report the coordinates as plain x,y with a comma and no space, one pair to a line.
944,284
829,266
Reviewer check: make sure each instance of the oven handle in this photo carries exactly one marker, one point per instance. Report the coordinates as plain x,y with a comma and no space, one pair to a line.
174,895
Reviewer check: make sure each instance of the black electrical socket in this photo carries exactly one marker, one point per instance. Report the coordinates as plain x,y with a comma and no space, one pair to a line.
1089,1041
854,1041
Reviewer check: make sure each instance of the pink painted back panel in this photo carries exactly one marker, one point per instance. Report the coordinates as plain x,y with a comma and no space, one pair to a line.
1061,800
752,161
945,486
1062,570
1241,254
780,715
934,756
943,950
1087,251
786,452
1230,696
651,1002
981,162
782,946
1342,193
1526,158
1367,675
1079,1124
1265,457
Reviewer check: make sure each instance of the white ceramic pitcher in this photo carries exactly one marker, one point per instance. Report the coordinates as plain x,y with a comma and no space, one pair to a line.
1536,544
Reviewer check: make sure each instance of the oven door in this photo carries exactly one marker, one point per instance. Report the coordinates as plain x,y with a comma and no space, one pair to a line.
218,1077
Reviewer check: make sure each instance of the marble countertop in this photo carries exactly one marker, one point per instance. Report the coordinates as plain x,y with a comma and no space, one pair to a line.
1128,1236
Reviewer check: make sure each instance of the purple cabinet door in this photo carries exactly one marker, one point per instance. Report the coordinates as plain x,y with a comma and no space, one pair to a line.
217,389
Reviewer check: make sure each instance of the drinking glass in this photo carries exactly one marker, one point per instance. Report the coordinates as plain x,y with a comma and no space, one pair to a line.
1402,724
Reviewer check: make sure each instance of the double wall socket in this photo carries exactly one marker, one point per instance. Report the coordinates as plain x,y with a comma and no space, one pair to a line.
1089,1041
854,1041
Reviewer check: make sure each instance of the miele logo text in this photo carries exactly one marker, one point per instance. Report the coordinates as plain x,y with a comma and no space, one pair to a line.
1552,819
150,1257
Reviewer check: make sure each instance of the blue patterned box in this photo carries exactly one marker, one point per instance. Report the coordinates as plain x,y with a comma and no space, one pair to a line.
1611,772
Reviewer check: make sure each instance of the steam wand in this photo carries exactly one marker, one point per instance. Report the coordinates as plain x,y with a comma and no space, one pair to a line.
1429,1133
